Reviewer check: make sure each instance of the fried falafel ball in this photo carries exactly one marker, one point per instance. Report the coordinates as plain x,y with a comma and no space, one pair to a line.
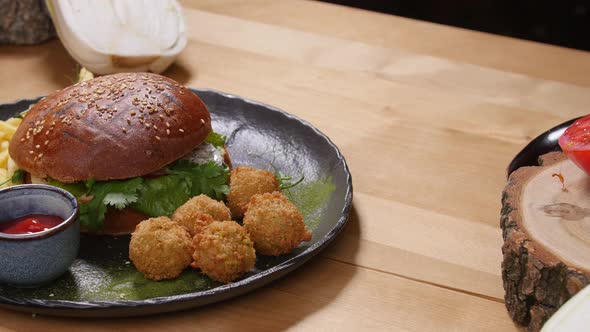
245,182
200,211
160,248
275,225
223,251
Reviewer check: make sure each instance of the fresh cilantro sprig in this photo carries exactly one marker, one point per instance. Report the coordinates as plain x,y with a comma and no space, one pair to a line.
286,182
17,177
215,139
210,178
162,196
118,194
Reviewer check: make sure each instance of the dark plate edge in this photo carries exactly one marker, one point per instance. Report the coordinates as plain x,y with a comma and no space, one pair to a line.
544,143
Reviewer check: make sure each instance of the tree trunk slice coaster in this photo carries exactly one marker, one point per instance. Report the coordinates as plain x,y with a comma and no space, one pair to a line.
545,222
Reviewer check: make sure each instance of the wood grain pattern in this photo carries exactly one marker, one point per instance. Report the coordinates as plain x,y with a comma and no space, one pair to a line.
462,45
428,118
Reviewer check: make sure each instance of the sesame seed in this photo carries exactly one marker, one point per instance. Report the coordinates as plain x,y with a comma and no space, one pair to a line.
158,138
168,124
203,121
147,125
37,146
46,142
181,130
167,131
156,128
133,113
22,139
31,152
40,155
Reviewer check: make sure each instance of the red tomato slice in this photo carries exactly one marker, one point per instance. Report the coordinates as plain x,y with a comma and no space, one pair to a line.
575,142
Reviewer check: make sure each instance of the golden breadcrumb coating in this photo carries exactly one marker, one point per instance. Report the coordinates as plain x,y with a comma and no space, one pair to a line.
223,251
199,212
245,182
160,248
275,225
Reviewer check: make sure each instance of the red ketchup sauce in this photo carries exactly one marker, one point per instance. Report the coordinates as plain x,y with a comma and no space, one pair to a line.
33,223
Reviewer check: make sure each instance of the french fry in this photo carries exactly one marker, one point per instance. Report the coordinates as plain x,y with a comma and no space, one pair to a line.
4,160
14,121
7,128
11,167
7,166
3,178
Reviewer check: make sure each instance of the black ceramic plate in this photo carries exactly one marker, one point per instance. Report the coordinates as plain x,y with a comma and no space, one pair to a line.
103,283
544,143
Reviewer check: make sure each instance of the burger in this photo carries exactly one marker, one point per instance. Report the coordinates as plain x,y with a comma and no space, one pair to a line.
129,146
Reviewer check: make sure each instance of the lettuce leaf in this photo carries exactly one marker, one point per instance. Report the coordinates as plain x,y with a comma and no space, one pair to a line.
77,188
17,177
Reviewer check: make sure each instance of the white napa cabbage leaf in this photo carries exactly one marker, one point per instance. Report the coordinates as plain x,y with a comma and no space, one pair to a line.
108,36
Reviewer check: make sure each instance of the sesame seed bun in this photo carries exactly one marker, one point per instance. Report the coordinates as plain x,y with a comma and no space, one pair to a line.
112,127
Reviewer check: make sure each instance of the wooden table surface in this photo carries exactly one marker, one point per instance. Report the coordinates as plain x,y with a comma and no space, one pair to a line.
427,116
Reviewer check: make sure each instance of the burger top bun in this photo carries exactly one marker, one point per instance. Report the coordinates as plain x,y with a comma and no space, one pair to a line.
112,127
